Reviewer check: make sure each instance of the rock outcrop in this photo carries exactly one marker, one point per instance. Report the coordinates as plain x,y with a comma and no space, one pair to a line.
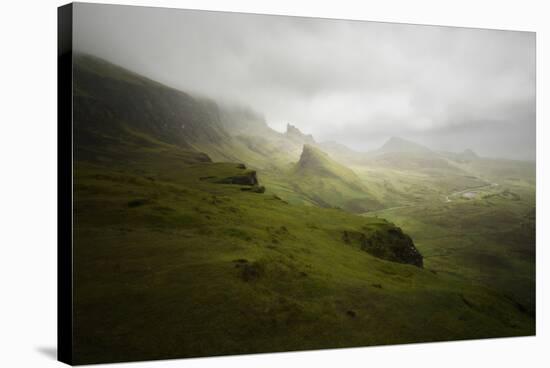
388,243
247,178
296,135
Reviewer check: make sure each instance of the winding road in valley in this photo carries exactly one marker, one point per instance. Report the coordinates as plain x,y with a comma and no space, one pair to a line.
469,190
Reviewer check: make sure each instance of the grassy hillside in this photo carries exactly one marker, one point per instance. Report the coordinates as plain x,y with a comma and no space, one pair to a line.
193,238
489,239
478,223
328,183
314,162
170,263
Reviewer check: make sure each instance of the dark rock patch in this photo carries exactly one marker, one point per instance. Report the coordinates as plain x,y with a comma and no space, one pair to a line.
240,260
138,202
248,178
206,177
251,271
254,189
388,243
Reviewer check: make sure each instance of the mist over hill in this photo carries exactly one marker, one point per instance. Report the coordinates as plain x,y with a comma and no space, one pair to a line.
357,83
396,144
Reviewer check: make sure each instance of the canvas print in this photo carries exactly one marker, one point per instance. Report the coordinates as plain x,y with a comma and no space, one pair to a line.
256,183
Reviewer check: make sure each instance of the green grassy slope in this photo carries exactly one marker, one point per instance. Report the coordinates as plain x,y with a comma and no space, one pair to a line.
170,262
489,240
469,216
328,183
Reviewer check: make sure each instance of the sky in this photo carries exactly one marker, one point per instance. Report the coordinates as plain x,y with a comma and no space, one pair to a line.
354,82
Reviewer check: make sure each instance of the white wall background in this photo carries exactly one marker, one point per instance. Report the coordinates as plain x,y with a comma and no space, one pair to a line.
28,35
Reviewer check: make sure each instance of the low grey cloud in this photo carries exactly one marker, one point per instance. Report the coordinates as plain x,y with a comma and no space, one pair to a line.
355,82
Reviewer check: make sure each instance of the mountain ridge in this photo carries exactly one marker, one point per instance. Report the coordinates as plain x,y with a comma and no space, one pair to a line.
400,145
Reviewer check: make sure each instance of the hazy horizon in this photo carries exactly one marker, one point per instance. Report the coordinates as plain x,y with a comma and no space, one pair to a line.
354,82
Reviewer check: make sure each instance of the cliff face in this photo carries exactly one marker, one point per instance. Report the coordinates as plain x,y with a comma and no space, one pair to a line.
112,101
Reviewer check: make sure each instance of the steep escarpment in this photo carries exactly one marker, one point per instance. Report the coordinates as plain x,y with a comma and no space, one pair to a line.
114,106
111,101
